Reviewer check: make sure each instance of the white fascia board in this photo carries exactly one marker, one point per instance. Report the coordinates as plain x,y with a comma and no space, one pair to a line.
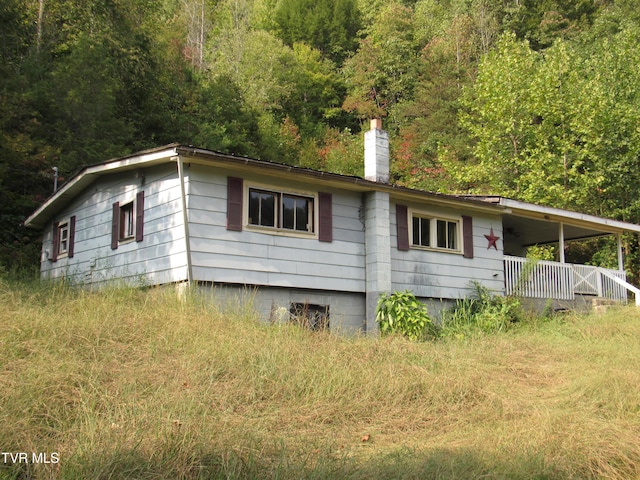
567,216
451,201
87,176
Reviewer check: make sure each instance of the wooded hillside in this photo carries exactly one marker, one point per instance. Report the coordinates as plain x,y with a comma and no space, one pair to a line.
535,100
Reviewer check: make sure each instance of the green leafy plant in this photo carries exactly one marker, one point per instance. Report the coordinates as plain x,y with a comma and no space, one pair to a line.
403,313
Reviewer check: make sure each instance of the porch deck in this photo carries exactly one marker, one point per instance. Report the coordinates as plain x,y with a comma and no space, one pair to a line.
563,281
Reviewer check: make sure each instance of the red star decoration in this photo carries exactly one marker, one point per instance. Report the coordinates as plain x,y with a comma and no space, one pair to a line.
493,240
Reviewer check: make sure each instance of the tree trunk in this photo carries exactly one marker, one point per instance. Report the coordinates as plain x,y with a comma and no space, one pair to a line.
39,24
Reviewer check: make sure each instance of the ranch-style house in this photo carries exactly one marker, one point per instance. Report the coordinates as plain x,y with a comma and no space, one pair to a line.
307,242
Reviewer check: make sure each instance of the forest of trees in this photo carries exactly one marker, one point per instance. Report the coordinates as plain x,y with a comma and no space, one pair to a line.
538,100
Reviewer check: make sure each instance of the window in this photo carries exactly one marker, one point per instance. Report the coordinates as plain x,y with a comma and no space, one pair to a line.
127,221
280,210
295,213
432,232
447,234
313,317
421,234
263,208
64,233
422,230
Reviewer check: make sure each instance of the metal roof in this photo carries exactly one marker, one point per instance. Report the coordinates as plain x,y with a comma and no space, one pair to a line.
518,212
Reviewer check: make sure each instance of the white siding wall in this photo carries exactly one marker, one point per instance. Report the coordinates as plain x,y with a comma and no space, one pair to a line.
260,258
159,258
431,274
257,258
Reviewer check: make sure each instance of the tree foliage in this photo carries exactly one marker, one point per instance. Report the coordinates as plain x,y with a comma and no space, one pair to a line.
330,26
535,100
384,70
559,128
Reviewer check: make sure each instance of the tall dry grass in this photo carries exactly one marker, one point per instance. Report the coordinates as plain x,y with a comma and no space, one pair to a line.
141,384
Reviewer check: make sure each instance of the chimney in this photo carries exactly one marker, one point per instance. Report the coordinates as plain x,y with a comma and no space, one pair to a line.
376,153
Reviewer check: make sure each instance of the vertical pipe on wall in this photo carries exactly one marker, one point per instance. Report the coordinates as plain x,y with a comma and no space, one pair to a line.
185,217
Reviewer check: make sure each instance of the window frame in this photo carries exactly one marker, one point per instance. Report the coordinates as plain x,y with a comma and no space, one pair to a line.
280,195
62,227
433,221
127,222
63,247
131,209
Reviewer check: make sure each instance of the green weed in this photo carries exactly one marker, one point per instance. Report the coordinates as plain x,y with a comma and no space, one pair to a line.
404,314
480,313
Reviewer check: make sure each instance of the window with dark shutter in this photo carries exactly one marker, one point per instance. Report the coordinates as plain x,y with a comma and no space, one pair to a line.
434,232
402,224
234,204
325,217
467,236
140,216
274,210
115,225
64,235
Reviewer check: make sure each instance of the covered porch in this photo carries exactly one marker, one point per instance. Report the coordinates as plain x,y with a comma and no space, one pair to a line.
526,225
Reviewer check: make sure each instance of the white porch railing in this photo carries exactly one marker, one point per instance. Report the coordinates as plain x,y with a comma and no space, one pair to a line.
562,281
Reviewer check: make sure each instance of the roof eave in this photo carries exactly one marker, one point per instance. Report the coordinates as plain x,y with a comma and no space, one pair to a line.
353,183
87,175
567,216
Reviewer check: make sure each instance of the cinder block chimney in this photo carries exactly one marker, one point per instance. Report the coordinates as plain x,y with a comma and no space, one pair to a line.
377,223
376,153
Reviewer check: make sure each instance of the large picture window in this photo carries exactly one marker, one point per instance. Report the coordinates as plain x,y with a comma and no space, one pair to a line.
433,232
280,210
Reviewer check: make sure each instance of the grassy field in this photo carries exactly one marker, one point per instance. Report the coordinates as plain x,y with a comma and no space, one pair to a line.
138,384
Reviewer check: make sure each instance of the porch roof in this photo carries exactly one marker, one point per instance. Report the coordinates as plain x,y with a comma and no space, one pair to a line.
527,224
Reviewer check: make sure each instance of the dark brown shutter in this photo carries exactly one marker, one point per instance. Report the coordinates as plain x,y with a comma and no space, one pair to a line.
56,242
325,217
140,216
234,204
467,236
115,225
402,223
72,236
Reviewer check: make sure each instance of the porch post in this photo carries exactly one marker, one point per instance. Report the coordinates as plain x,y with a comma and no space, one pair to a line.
561,241
620,255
